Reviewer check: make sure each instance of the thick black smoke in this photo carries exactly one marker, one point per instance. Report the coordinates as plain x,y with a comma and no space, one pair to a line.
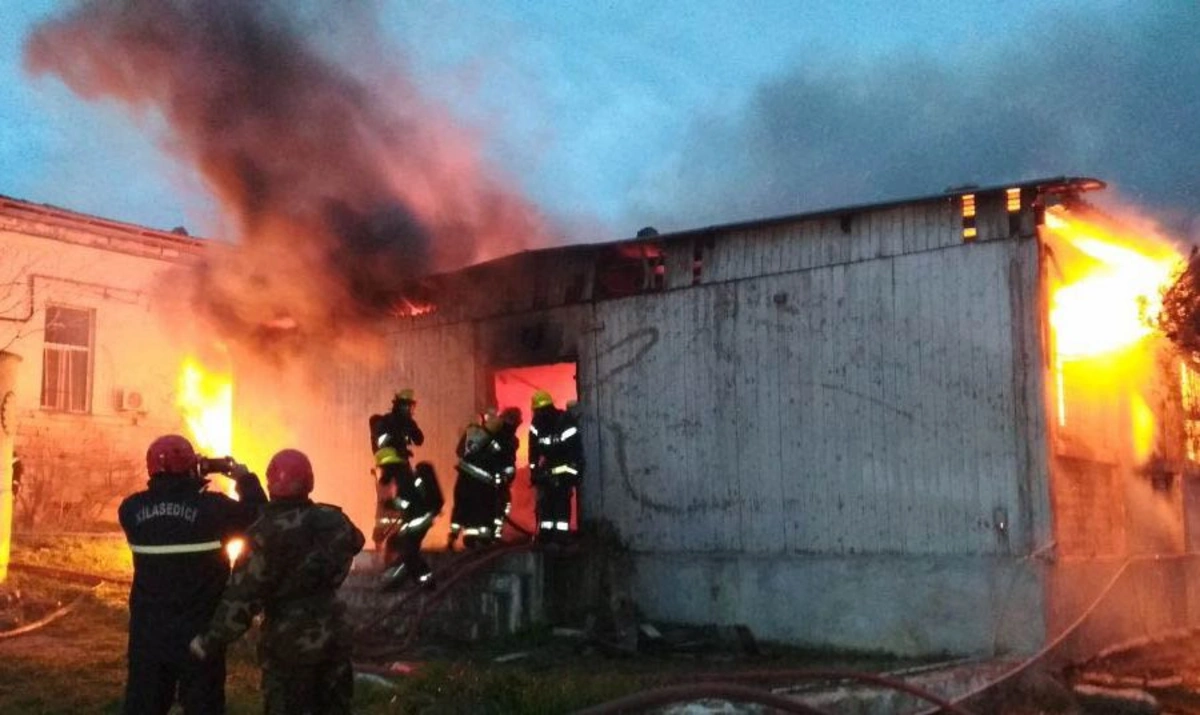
340,188
1115,96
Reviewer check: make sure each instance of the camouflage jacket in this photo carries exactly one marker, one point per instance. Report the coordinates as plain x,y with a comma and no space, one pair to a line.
297,555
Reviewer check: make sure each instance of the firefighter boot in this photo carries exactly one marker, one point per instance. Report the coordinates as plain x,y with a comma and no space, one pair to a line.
393,577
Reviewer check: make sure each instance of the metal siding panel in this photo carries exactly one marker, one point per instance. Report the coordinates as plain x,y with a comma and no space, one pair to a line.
677,263
758,416
875,414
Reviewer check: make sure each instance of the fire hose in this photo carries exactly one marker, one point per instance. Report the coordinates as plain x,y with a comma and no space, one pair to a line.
49,618
658,697
471,563
686,691
1058,640
92,581
836,674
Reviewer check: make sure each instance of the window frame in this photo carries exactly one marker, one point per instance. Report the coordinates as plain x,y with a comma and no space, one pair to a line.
61,400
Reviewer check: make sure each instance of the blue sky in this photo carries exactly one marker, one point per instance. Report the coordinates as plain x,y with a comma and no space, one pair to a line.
682,113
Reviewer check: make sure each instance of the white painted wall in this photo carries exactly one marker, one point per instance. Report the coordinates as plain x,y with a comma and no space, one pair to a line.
140,337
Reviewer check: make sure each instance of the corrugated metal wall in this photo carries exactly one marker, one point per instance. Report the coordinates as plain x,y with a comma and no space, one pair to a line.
863,399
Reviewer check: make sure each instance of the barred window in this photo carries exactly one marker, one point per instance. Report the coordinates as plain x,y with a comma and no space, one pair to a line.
67,359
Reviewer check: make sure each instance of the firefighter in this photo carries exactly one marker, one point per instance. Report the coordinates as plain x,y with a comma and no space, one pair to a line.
510,444
408,501
297,555
572,438
480,474
391,435
555,465
177,530
419,503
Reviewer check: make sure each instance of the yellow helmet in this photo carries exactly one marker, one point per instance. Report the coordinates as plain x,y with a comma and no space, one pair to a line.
541,399
406,395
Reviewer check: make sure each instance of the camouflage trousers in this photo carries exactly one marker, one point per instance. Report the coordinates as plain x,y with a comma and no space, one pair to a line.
325,688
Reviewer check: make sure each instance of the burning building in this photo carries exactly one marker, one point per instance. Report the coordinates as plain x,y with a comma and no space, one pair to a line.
928,426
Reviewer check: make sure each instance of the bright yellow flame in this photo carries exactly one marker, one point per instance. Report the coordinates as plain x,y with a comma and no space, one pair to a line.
1107,288
234,549
1112,305
206,401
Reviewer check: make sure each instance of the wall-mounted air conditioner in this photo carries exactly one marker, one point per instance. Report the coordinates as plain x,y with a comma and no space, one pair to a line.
130,401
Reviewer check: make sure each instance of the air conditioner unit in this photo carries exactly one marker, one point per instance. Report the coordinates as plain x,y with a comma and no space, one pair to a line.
130,401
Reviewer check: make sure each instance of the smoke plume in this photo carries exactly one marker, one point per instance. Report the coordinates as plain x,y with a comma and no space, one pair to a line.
339,188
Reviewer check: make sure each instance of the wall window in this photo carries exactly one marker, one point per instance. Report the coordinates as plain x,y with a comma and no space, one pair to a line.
67,359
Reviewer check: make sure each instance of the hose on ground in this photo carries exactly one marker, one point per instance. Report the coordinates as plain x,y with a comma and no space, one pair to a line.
1049,647
49,618
733,692
882,681
92,581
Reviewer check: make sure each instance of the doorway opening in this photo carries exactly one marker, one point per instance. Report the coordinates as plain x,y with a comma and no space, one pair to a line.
514,387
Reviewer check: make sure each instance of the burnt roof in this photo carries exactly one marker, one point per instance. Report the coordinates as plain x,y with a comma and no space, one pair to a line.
1059,186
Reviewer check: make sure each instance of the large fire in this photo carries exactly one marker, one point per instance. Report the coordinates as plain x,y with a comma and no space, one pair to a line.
205,398
1116,294
1106,291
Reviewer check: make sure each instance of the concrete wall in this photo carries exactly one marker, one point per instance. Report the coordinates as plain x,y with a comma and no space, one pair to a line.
78,464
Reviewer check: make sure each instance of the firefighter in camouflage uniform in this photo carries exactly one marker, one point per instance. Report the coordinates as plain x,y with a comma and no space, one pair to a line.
298,554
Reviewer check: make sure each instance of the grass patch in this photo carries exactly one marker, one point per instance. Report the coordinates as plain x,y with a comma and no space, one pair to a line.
105,554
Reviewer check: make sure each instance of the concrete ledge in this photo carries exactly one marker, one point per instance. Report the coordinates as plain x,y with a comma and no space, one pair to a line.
500,599
903,605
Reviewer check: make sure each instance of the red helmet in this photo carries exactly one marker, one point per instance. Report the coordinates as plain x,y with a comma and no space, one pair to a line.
170,454
289,474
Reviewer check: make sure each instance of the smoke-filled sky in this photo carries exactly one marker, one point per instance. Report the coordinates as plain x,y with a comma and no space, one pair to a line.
606,117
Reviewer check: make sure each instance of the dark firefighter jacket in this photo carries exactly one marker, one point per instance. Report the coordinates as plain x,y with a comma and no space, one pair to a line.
509,444
177,531
555,447
391,435
298,554
481,456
